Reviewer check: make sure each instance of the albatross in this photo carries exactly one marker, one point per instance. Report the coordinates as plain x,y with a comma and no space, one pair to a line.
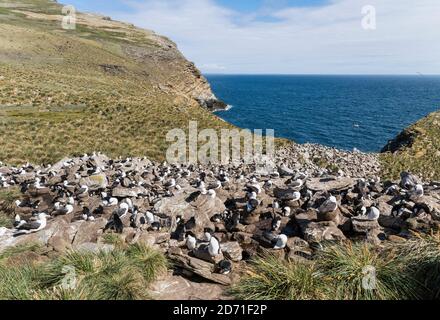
32,226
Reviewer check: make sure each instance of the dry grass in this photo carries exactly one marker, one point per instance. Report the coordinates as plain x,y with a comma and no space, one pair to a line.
57,100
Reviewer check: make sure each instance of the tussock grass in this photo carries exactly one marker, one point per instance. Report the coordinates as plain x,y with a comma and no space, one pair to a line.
113,239
269,278
344,272
363,272
121,274
423,256
7,204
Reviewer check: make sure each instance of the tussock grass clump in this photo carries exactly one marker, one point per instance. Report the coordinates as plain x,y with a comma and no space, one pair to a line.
422,254
7,199
113,239
270,278
359,271
121,274
352,271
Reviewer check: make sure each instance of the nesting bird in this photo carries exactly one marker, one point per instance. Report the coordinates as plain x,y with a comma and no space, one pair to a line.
330,205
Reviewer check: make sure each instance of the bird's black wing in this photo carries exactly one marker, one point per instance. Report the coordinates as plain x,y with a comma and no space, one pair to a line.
31,225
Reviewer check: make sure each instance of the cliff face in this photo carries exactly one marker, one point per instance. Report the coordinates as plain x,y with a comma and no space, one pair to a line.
105,85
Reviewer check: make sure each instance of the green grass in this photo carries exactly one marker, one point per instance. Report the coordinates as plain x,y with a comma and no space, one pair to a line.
122,274
423,256
364,272
7,204
57,100
409,270
422,156
269,278
113,239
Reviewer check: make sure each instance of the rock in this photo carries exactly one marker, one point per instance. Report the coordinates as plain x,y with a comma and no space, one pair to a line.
202,208
201,268
284,171
364,226
375,237
330,184
94,247
232,251
396,239
334,216
174,287
89,231
432,204
42,237
243,237
391,222
419,225
322,231
306,217
202,253
298,247
383,203
146,238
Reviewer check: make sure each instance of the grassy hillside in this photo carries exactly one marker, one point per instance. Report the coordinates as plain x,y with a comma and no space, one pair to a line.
105,86
416,149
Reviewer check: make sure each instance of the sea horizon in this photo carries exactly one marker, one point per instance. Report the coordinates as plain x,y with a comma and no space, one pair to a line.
342,111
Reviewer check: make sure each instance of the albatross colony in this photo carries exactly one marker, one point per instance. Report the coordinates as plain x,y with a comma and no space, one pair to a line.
210,219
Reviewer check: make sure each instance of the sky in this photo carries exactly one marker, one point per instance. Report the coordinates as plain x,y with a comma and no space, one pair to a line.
291,36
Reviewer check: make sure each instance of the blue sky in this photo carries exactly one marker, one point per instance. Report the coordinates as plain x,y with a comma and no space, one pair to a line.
290,36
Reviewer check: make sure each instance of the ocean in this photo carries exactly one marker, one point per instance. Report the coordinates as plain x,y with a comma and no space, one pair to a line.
346,112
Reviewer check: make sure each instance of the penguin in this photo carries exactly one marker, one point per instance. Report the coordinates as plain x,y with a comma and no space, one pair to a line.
207,233
115,224
214,247
276,223
287,211
190,224
180,232
216,218
224,267
149,216
155,226
191,241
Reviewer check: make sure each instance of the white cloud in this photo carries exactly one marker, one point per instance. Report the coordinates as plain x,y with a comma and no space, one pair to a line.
326,39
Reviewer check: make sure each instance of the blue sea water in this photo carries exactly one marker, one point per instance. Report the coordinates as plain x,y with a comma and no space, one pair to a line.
346,112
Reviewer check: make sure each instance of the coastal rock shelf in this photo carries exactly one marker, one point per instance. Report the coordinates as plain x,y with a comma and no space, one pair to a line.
211,219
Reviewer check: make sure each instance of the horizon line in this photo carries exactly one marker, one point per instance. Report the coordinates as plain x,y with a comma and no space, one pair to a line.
323,74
